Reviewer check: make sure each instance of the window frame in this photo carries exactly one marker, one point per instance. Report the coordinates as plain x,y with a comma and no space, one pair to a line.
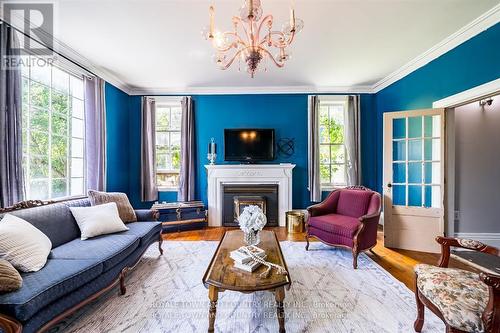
28,107
330,101
169,102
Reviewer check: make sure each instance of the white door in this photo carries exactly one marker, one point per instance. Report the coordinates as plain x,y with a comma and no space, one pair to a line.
414,179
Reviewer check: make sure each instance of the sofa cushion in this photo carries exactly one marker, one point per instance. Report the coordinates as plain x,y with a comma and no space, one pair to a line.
342,225
459,295
107,249
98,220
55,280
144,230
54,220
354,203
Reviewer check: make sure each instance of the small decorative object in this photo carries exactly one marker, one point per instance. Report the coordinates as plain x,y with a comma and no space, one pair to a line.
252,220
286,147
212,151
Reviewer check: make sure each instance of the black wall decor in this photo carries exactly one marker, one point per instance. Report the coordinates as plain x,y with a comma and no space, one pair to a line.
286,147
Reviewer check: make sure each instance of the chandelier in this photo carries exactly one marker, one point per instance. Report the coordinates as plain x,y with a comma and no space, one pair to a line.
252,39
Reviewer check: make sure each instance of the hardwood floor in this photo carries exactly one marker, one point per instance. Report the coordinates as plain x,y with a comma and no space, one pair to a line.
397,262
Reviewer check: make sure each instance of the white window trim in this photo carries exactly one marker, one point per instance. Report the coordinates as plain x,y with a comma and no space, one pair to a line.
332,100
168,101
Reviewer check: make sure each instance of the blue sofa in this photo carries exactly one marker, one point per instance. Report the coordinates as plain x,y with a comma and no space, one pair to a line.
77,271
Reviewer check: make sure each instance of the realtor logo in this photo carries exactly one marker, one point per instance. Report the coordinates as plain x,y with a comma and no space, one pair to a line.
35,20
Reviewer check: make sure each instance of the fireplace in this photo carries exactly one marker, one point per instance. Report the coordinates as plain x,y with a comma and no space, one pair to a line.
237,196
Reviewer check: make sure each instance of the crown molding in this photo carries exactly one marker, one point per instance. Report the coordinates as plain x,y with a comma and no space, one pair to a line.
480,24
479,92
249,90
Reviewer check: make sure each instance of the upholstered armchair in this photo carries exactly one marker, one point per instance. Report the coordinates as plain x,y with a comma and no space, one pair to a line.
465,301
346,218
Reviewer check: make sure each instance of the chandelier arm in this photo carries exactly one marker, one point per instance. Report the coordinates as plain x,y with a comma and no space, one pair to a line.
238,41
230,61
267,18
279,64
285,42
241,24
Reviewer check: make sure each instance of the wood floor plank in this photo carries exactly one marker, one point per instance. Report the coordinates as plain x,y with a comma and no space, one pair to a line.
398,263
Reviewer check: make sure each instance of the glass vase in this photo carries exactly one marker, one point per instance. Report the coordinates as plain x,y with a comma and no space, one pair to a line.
252,237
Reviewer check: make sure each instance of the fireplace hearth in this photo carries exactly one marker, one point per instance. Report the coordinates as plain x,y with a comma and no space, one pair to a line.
237,196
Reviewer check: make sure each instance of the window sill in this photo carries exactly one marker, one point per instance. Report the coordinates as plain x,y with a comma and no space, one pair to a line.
330,188
167,189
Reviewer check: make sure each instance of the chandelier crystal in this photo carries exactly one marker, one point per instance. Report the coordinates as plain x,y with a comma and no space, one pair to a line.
252,39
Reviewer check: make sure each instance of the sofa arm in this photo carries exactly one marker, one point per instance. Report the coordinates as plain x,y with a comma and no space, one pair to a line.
147,215
448,242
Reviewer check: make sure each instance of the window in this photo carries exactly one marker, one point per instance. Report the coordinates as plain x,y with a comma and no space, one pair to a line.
53,131
332,150
168,143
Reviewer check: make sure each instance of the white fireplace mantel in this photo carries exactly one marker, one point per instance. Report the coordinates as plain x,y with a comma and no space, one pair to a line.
258,174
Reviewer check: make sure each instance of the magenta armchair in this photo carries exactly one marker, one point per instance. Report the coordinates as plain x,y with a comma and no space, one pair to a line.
346,218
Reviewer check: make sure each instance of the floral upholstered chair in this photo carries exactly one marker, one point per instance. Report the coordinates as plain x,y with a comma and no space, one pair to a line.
465,301
346,218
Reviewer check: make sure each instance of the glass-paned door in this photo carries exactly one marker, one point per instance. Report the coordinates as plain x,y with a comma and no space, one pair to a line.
413,178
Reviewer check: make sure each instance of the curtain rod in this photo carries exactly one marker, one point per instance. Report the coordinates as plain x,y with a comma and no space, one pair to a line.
50,48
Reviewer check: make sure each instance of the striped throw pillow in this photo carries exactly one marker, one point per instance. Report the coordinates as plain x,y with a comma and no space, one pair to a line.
23,245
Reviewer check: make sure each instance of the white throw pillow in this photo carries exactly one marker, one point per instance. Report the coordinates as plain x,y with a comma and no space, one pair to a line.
98,220
22,244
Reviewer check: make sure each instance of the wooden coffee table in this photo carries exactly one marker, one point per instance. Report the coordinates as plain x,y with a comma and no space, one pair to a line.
221,275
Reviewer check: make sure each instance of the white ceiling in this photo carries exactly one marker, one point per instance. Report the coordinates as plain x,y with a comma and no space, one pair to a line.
153,45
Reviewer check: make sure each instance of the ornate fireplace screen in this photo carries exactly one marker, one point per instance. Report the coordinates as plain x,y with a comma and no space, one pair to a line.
242,201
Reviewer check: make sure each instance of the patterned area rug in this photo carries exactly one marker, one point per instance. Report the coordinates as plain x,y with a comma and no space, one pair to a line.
165,294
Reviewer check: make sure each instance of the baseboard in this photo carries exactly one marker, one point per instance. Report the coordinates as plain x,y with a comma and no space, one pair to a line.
490,238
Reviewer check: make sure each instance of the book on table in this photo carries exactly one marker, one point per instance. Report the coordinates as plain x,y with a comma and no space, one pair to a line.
244,261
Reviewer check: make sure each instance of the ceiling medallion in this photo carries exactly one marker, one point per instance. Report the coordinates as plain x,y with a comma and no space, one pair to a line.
245,43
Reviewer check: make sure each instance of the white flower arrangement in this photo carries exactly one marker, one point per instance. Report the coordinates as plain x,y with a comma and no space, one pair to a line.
252,219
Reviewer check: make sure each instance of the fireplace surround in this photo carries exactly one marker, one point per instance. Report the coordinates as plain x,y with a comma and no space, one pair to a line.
248,174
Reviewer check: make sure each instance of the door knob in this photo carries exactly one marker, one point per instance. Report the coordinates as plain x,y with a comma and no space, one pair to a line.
389,185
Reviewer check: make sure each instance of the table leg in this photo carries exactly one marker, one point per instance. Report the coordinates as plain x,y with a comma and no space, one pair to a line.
279,295
213,295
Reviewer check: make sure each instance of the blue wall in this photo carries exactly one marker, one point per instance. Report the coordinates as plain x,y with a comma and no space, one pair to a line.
117,120
470,64
287,114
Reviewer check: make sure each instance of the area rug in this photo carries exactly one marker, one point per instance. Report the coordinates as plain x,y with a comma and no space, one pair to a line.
165,294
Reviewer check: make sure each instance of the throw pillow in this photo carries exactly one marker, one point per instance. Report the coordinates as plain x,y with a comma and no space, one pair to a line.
125,209
22,244
10,279
98,220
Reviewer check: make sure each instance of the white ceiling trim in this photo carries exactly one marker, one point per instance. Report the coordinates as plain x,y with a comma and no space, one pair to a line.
483,22
251,90
483,91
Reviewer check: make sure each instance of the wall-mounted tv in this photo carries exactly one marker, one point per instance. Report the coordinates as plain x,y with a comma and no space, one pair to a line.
249,144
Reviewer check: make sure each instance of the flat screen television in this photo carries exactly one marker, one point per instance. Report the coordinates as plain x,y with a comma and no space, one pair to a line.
248,145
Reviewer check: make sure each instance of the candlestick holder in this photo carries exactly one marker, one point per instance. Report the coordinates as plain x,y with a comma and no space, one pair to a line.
212,157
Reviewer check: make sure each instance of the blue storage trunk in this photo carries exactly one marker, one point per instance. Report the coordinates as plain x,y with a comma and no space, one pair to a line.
181,216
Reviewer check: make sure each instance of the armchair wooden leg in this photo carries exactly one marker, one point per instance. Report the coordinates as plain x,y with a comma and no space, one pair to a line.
419,322
307,242
355,259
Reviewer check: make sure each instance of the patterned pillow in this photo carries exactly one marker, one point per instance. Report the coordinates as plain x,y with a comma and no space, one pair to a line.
10,279
125,210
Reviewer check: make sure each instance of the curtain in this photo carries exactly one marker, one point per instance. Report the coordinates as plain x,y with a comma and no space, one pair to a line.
188,152
95,133
11,151
351,137
149,191
314,182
